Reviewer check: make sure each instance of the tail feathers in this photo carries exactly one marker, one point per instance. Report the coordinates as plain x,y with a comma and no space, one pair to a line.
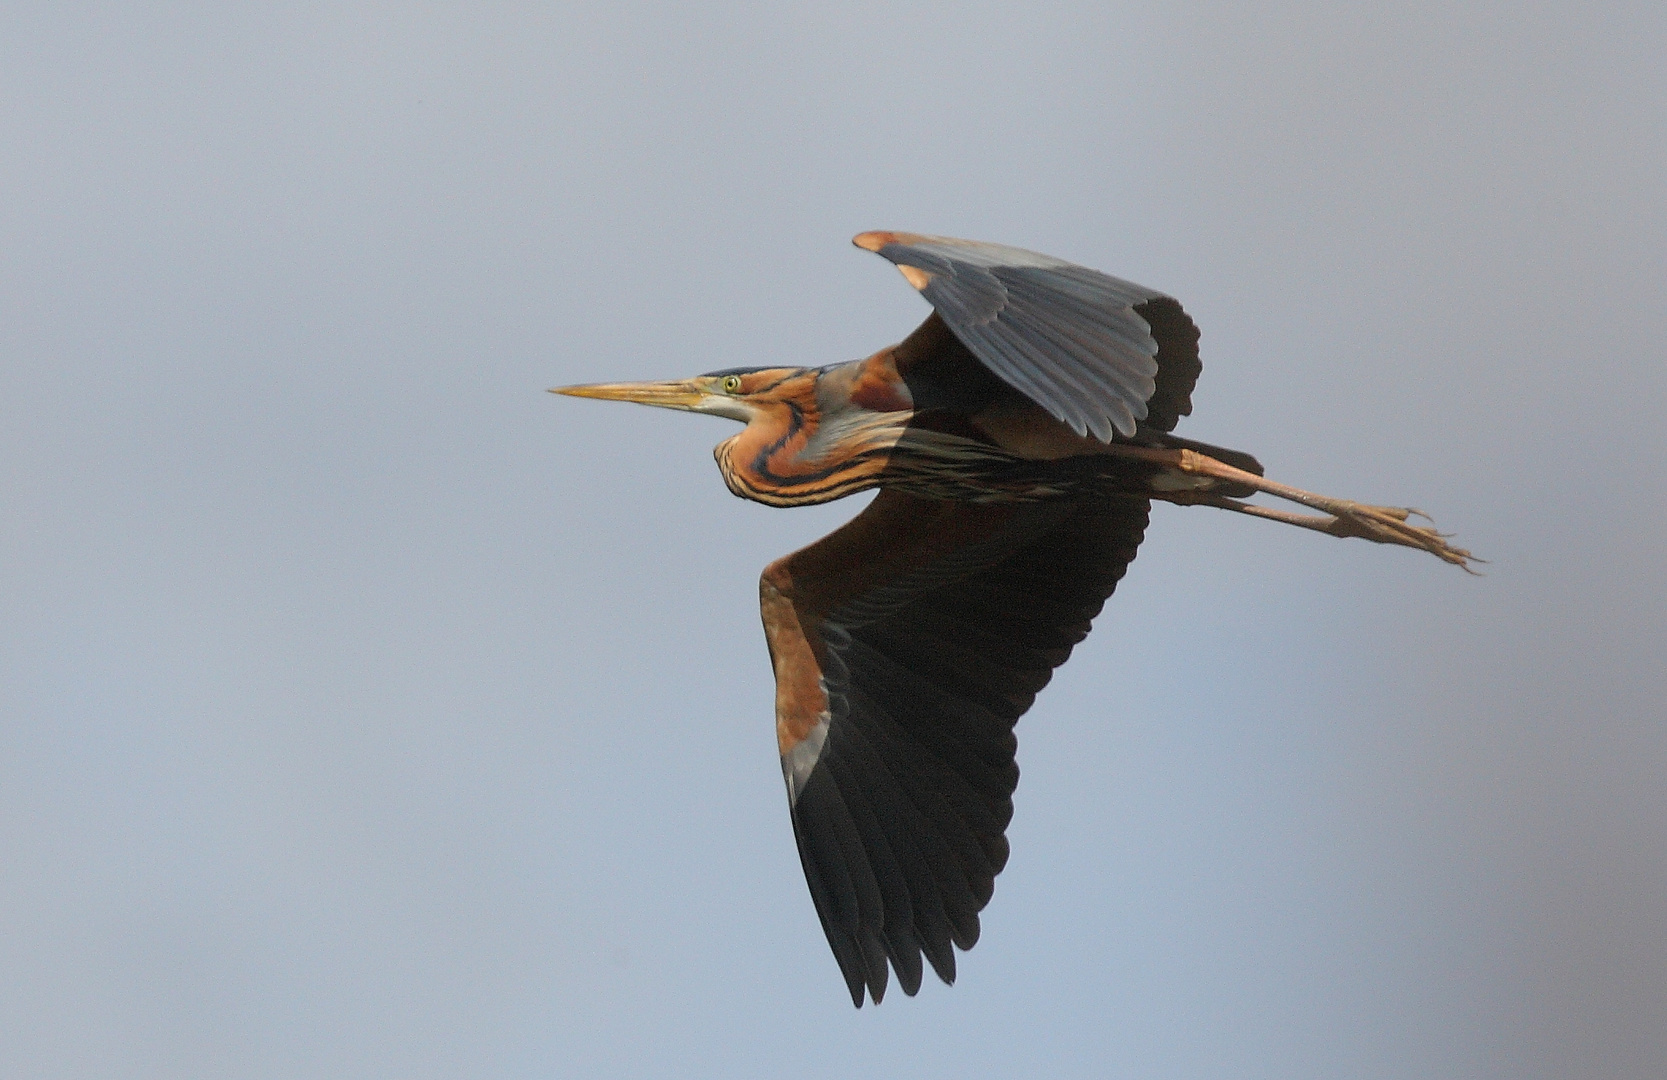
1236,458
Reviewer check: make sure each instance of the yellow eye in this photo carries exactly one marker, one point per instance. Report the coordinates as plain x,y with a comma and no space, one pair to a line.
732,384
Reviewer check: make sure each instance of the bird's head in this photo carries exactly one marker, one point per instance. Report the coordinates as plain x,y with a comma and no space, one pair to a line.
768,396
804,425
772,402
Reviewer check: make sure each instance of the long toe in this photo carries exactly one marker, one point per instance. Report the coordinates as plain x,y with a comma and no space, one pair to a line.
1388,525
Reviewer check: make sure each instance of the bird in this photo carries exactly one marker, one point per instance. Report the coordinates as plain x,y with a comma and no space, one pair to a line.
1017,438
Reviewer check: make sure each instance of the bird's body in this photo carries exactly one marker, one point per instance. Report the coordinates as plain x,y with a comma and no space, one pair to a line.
854,426
1018,437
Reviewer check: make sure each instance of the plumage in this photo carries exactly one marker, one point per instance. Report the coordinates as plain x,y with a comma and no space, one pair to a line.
925,673
1066,337
1018,437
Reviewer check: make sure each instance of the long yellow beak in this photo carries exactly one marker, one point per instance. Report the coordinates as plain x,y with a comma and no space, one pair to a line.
668,395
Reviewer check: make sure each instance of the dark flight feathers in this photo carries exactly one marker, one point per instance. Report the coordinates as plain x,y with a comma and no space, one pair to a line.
900,823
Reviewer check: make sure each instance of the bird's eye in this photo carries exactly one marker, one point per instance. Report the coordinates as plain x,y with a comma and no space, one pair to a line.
732,384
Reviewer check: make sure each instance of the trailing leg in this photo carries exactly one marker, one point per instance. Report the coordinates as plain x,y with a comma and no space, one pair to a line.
1344,517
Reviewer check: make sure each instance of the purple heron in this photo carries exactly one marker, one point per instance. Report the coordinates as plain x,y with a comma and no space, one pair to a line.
1017,438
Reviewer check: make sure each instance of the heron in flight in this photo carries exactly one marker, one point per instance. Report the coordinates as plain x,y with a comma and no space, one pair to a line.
1017,438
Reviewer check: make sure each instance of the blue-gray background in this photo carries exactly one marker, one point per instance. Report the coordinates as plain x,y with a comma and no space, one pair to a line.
367,712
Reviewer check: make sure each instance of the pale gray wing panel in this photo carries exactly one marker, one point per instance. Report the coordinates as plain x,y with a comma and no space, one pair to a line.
1065,336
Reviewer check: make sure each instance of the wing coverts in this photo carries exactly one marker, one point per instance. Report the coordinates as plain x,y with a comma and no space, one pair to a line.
1080,343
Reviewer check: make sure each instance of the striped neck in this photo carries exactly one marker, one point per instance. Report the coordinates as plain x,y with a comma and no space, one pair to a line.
798,457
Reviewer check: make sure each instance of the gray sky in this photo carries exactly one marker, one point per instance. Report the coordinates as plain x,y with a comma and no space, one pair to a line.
367,712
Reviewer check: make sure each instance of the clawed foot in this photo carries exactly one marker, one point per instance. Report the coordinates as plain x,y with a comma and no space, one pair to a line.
1342,517
1389,525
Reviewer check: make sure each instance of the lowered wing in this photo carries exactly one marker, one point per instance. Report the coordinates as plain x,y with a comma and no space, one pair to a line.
906,645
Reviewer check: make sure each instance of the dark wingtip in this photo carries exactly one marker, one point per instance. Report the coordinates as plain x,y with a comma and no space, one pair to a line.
941,955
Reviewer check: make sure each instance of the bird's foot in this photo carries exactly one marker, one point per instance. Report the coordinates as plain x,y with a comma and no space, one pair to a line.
1342,517
1390,525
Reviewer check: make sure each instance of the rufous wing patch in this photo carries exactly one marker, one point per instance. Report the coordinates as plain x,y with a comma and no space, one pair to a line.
879,388
915,276
801,702
874,241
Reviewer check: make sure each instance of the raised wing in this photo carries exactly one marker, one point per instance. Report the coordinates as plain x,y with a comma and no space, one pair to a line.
1098,353
906,645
